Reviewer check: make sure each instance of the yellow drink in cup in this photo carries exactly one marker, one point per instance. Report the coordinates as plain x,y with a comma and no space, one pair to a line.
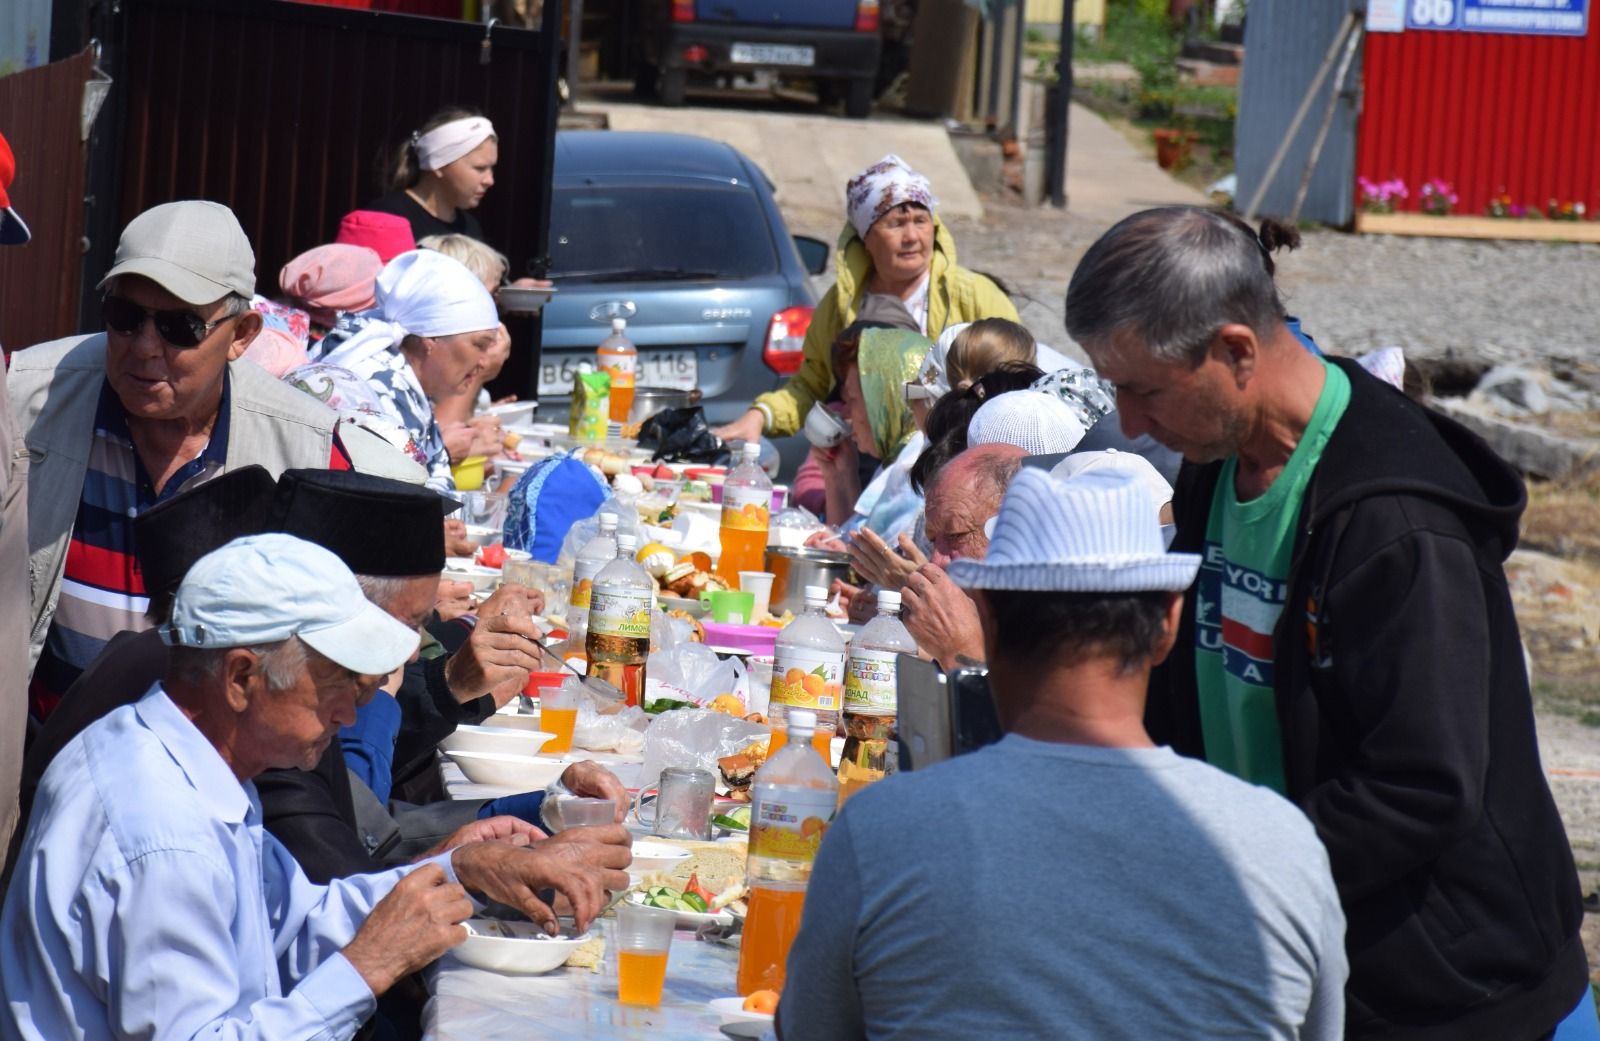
644,934
640,977
557,721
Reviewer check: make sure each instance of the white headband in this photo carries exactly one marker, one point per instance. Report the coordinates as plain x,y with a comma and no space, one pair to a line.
443,145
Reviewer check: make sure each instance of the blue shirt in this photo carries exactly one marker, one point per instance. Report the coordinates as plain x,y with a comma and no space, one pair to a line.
149,901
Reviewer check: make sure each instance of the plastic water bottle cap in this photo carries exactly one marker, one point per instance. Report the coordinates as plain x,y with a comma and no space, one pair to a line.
608,523
626,542
819,594
751,450
618,324
800,719
888,601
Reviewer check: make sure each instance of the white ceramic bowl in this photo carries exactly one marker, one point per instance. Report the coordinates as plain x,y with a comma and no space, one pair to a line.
525,952
655,856
513,413
462,569
731,1011
509,740
509,718
483,534
524,772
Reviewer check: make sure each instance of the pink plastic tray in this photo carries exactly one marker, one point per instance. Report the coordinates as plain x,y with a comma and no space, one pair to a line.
756,639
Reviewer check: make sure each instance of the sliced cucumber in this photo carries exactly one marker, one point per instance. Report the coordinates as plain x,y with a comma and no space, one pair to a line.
694,901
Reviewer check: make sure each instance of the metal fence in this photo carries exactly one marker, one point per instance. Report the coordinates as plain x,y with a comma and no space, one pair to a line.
40,114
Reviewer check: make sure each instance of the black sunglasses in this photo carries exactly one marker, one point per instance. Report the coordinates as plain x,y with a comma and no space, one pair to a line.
178,328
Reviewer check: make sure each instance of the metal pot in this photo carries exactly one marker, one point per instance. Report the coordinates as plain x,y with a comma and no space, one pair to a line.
795,567
647,401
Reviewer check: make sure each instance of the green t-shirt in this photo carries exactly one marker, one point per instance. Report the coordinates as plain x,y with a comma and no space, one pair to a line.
1240,594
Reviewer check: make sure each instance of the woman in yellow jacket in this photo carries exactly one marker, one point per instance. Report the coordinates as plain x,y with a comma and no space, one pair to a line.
894,245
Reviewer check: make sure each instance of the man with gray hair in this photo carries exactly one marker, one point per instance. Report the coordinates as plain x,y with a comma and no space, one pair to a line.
1350,640
962,499
150,901
122,419
1161,898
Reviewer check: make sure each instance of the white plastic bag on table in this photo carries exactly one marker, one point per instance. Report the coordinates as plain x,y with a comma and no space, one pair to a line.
792,526
603,725
692,672
695,737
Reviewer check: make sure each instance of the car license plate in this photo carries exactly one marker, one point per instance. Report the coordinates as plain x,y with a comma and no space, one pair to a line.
675,370
772,54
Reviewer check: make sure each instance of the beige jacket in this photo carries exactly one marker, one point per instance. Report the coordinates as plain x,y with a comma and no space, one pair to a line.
54,389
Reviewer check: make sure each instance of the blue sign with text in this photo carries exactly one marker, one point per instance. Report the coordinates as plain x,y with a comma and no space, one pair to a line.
1538,17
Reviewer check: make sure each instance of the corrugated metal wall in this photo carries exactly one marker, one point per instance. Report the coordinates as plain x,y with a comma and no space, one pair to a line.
40,116
1285,42
1486,112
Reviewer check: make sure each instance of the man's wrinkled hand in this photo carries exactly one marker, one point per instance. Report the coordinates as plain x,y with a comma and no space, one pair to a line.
941,617
453,599
456,543
590,780
583,872
419,920
513,831
497,658
875,561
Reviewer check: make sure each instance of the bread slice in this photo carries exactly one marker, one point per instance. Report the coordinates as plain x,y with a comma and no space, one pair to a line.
719,864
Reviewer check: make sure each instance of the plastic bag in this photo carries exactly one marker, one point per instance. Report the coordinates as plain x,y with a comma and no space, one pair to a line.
791,527
691,672
603,726
694,737
680,434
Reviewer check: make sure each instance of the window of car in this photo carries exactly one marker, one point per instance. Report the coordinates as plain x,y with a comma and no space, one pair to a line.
657,233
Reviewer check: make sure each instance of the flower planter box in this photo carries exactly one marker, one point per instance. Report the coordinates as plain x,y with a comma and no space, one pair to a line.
1477,227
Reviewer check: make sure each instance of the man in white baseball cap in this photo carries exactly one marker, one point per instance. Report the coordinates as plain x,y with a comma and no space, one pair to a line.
123,419
148,897
1165,897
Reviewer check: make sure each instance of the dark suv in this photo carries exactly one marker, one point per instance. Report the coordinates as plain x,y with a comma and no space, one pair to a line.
834,42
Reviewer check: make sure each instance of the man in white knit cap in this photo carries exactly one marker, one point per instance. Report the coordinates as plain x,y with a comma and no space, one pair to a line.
1163,896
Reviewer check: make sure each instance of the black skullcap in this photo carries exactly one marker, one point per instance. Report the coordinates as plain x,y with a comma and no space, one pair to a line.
377,526
169,537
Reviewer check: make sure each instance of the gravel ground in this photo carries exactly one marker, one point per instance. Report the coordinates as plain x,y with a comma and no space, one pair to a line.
1489,300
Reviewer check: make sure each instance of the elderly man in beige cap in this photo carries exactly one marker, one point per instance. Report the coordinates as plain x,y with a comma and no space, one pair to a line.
122,419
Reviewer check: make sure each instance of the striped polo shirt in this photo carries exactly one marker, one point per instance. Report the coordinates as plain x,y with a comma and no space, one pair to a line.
102,591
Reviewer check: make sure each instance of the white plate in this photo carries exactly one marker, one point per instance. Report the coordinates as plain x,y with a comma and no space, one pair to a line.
731,1011
502,739
771,54
483,579
527,952
672,369
690,919
656,856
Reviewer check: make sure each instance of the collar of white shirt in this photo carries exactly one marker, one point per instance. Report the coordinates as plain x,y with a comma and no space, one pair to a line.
197,757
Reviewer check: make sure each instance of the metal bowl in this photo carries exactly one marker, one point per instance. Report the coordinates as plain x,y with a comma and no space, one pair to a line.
795,567
647,401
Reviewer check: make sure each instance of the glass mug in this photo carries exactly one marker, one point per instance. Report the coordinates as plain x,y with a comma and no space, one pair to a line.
682,804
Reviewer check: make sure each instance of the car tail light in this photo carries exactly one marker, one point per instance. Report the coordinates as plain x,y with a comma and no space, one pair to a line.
695,54
683,11
786,340
867,16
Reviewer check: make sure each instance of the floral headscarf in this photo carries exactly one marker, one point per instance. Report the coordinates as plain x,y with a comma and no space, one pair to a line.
1083,390
881,187
886,359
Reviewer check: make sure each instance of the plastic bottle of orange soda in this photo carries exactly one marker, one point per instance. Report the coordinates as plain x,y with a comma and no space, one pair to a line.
793,798
619,359
808,673
746,515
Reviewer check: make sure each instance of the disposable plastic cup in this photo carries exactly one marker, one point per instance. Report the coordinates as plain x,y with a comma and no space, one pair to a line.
586,813
558,714
759,585
760,666
644,936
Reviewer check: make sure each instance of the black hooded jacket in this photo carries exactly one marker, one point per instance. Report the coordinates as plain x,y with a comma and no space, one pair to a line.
1408,734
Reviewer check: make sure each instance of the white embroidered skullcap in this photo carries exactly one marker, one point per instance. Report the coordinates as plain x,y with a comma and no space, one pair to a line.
1036,422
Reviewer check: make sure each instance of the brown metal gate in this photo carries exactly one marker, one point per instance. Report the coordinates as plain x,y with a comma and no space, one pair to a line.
40,116
283,111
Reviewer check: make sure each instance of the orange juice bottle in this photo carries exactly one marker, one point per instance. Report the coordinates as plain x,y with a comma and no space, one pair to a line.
746,511
618,358
620,606
793,798
808,672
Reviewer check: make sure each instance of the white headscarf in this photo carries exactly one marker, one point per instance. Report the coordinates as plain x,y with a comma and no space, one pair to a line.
448,142
881,187
931,382
420,293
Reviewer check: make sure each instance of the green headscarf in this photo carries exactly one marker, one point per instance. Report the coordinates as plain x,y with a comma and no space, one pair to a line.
886,359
